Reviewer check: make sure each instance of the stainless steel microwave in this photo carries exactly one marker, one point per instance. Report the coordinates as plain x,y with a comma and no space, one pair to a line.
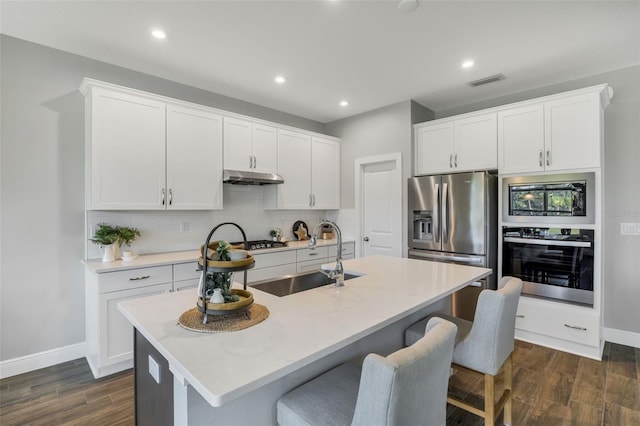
552,199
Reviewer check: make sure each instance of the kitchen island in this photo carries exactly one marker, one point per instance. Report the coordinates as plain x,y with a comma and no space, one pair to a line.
236,378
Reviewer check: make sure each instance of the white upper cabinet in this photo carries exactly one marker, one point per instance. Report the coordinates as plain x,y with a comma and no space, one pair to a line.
434,147
249,146
125,151
325,173
294,165
456,145
144,153
194,159
476,143
521,139
310,167
573,132
560,133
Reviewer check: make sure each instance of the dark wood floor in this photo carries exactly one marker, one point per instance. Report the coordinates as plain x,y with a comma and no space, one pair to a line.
550,388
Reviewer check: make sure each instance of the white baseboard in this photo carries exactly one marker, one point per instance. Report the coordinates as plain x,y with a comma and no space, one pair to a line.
24,364
622,337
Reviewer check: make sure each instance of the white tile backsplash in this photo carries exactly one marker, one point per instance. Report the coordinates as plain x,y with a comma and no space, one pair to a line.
162,231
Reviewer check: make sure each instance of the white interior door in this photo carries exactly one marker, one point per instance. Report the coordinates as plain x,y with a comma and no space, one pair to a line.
380,207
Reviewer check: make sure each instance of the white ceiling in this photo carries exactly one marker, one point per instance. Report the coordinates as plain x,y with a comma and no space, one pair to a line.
368,52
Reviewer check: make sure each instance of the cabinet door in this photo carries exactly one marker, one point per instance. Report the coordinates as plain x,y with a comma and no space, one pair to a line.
325,174
126,150
116,332
521,139
237,144
194,159
265,148
573,132
294,165
434,148
476,143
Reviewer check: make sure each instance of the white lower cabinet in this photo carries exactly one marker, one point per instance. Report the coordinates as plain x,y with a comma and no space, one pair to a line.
566,327
185,275
109,335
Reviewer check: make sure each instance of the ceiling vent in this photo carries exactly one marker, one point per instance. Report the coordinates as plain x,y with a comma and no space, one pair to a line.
486,80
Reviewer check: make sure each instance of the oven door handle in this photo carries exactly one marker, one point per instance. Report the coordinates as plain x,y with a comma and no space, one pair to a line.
543,242
441,258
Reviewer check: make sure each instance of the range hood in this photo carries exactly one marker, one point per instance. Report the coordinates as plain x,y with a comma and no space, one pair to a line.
241,177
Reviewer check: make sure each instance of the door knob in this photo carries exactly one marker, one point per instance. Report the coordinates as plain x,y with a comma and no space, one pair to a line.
366,239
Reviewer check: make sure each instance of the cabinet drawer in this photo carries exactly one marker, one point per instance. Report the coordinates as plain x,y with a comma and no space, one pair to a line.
559,320
267,260
185,284
254,275
134,278
308,254
347,249
186,271
314,264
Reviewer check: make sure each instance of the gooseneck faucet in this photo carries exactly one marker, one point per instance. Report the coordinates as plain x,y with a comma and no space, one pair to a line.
337,273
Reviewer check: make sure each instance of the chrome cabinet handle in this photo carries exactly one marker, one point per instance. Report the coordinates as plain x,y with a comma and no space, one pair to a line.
519,316
575,327
170,196
255,162
366,239
540,158
450,161
250,162
314,200
163,194
310,205
144,277
455,160
548,158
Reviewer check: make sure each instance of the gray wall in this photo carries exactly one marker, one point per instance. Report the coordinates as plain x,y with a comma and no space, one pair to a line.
621,282
42,187
385,130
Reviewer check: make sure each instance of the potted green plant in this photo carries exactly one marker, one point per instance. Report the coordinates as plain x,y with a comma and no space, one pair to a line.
222,280
127,235
110,239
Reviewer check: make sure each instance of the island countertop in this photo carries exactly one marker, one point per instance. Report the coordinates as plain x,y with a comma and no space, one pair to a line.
301,328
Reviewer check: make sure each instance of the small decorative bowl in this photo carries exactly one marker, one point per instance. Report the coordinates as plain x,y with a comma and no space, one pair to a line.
237,254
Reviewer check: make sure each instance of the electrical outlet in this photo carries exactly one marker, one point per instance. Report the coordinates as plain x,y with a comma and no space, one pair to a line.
154,369
184,226
628,228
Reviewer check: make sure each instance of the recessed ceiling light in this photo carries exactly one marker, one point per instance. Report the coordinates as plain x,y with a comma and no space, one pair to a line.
344,103
468,64
280,79
159,34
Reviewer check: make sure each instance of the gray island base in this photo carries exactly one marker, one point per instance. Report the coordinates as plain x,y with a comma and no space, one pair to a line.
236,378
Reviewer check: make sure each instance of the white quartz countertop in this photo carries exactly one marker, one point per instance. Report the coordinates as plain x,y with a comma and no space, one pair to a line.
169,258
301,328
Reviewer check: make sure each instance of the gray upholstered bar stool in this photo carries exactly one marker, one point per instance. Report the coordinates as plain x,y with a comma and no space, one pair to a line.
408,387
484,346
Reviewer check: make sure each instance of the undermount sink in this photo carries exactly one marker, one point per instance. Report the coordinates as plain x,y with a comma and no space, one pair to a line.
290,284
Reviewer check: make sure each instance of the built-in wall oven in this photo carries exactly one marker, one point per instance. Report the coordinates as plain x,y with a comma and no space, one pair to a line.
553,263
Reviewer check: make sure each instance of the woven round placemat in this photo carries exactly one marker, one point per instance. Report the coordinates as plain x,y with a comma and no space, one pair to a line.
192,320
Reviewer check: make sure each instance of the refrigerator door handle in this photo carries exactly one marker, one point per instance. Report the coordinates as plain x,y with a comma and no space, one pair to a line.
445,212
436,212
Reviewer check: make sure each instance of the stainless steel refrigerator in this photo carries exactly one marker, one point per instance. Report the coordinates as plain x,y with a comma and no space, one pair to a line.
454,218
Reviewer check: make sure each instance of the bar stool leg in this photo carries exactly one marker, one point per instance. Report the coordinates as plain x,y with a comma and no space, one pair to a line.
508,384
489,400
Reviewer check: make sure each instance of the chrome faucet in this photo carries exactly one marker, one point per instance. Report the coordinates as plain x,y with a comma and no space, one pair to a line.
337,273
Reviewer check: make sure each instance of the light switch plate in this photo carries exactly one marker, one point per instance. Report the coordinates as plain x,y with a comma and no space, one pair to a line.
154,369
